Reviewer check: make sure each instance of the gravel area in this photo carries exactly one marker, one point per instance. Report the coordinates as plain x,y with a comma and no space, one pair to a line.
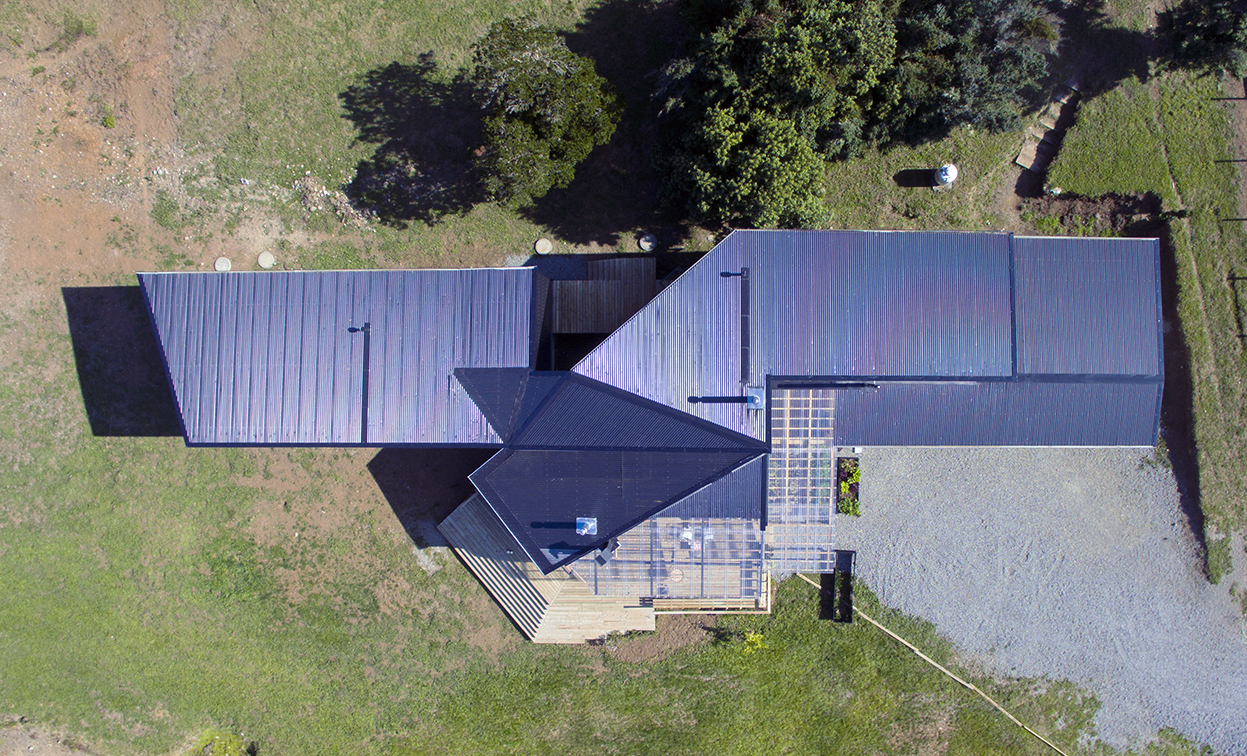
1060,563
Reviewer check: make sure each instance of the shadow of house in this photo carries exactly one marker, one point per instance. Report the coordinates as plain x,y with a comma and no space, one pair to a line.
124,386
618,189
423,486
425,126
1177,410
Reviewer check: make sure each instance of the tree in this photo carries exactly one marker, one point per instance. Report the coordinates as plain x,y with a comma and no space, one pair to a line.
966,63
1208,35
546,109
772,86
749,166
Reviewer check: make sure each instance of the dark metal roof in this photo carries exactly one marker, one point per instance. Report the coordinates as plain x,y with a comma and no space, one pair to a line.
821,303
880,305
270,358
581,413
737,494
1088,306
590,450
539,493
1000,413
507,396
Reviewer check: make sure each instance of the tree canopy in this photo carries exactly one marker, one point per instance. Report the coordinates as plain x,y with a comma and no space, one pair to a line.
771,88
1208,35
546,109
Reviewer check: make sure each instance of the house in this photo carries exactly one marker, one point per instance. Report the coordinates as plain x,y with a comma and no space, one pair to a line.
686,459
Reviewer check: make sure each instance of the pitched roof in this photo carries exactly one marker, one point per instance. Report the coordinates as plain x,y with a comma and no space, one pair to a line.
893,307
280,358
590,450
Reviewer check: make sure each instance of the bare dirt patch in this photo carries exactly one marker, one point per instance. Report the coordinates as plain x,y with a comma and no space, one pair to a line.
674,631
18,736
1111,214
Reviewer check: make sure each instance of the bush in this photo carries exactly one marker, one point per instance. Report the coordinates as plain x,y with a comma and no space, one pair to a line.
770,87
1208,35
546,109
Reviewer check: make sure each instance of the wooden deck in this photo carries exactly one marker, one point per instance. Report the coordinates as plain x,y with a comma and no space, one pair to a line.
554,608
615,290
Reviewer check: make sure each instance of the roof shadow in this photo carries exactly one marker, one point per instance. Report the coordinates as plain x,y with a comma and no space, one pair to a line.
423,486
125,388
1177,408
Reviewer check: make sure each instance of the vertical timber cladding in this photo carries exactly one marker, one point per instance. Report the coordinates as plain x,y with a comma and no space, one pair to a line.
800,529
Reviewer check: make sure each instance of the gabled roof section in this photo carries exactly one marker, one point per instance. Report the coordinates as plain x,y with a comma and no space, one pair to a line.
271,358
817,303
589,450
539,493
581,413
507,396
1088,306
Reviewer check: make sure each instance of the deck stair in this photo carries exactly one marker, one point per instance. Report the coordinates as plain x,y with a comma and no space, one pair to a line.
554,608
1042,143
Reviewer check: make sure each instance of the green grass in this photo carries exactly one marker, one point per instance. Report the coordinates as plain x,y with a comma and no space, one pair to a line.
1165,137
862,194
1220,559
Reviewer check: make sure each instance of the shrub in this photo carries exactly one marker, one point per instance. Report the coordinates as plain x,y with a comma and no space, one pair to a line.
546,109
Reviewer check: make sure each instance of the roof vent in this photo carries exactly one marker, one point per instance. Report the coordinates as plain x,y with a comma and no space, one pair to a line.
755,398
607,551
586,526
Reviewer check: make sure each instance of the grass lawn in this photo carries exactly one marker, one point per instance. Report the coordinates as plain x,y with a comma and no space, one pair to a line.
155,594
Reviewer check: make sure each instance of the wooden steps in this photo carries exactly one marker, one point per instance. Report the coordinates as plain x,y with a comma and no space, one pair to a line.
554,608
1042,142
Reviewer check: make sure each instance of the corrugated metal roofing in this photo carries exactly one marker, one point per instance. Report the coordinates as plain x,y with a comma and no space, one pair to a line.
539,494
507,396
821,303
999,413
590,450
271,358
738,494
1088,306
585,414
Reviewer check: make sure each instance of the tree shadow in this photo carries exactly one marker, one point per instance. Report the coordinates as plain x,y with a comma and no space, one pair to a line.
1095,54
125,388
423,486
426,127
617,189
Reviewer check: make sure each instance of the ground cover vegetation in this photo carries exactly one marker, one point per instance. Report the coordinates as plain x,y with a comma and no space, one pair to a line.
157,597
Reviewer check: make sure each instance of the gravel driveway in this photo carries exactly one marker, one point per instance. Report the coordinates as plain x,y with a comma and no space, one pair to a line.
1060,563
